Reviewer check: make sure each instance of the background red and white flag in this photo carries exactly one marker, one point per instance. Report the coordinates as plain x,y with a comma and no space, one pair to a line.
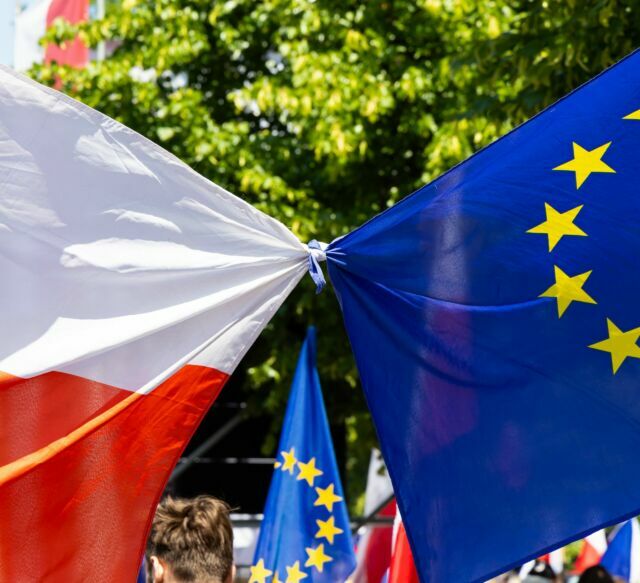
593,547
375,542
402,568
33,22
131,288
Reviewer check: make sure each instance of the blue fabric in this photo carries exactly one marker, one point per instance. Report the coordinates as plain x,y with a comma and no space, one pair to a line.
142,573
617,558
504,433
315,271
290,527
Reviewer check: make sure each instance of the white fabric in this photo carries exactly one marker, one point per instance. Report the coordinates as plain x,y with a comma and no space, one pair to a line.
526,569
598,540
556,560
119,263
320,252
397,522
379,486
30,26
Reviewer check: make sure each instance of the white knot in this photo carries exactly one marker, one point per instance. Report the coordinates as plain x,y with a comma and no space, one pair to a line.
317,250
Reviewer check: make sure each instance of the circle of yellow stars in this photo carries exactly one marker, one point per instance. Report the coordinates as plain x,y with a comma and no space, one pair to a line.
316,555
558,224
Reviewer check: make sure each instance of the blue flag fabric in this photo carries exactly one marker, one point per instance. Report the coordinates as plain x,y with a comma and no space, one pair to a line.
305,533
494,317
622,557
142,573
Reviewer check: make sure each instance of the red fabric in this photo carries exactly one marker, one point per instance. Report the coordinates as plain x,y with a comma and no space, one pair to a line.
588,557
402,568
75,53
83,513
377,551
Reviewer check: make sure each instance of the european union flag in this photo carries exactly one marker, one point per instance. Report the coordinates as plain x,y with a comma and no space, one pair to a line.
305,532
495,317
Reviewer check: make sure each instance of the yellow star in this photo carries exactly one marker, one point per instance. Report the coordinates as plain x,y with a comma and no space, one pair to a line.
317,558
328,529
558,225
326,497
308,471
294,574
633,115
585,162
259,573
290,461
276,578
568,289
620,344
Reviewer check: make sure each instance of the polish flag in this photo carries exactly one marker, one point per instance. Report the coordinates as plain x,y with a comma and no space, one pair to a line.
403,567
131,288
31,25
593,547
374,547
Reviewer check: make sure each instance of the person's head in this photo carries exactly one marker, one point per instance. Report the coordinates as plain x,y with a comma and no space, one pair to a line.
191,541
597,574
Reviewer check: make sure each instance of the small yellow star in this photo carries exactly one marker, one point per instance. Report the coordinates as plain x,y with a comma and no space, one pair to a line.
290,461
585,162
633,115
568,289
326,497
558,225
259,573
308,471
328,529
276,578
620,344
294,574
317,558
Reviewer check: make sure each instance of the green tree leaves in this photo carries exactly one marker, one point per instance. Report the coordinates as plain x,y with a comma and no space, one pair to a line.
323,113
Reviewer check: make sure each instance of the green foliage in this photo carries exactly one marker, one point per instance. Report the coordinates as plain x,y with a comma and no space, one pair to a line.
323,113
571,552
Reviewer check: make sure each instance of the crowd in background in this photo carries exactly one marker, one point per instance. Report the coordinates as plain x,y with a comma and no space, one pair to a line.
541,572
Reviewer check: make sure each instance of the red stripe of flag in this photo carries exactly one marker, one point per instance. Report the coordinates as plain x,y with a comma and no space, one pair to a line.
61,508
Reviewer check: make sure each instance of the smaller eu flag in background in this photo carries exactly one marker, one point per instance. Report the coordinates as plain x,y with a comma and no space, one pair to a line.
305,532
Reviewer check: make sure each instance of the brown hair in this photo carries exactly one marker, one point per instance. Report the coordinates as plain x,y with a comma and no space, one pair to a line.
194,537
